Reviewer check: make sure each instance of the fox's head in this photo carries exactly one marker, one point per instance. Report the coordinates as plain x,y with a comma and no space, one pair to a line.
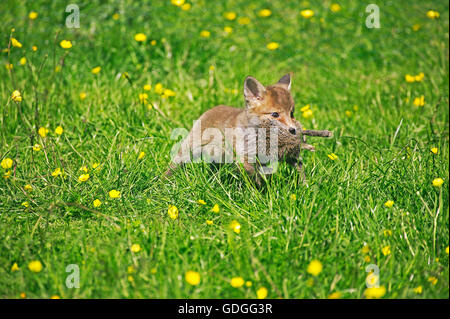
271,106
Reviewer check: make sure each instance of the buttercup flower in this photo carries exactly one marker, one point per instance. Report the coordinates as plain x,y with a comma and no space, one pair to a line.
82,96
55,297
43,131
205,34
261,293
186,7
201,202
230,15
173,212
35,266
418,290
65,44
264,13
248,283
228,30
389,203
57,172
293,197
437,182
135,248
315,267
25,204
209,222
434,150
433,14
335,7
116,16
237,282
215,209
32,15
273,46
23,61
332,156
96,70
16,96
386,250
192,277
307,13
141,155
34,48
59,130
97,203
159,88
6,163
235,226
244,21
83,177
419,101
14,267
307,114
114,193
140,37
147,87
15,43
28,187
433,280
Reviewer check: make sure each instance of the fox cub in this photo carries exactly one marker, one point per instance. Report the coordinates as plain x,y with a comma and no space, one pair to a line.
265,126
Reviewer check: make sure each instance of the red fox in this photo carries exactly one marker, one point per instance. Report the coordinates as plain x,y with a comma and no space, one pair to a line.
265,125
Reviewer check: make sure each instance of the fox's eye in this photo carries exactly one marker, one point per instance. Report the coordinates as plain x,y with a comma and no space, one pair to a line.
292,114
275,114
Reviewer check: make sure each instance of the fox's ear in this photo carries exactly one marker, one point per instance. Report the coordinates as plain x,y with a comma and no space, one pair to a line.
253,90
285,81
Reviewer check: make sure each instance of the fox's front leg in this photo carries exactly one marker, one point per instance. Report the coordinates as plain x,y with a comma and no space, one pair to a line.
251,170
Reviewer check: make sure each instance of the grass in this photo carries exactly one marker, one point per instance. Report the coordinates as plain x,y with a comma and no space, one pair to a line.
383,148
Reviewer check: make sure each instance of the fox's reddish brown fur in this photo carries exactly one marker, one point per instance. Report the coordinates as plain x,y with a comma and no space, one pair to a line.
266,107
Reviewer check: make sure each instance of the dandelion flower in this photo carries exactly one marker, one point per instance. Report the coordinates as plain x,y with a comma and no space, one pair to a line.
147,87
96,70
114,193
43,131
375,292
6,163
141,155
433,14
307,13
192,277
186,7
367,259
228,30
237,282
135,248
205,34
386,250
116,16
434,150
82,96
32,15
433,280
307,114
293,197
173,212
159,88
315,267
178,3
153,42
201,202
248,283
15,43
65,44
215,209
57,172
437,182
35,266
235,226
273,46
28,187
140,37
59,130
389,203
34,48
418,290
209,222
264,13
14,267
335,295
23,61
230,15
244,21
83,177
261,293
16,96
419,101
97,203
446,250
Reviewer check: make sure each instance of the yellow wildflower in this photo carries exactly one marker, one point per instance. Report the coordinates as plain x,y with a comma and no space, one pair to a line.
35,266
261,293
335,7
209,222
307,114
147,87
335,295
83,177
433,14
82,96
365,249
235,226
178,3
116,16
159,88
15,43
59,130
96,70
215,209
43,131
9,66
315,267
14,267
34,48
114,193
140,37
367,258
237,282
433,280
32,15
16,96
135,248
264,13
374,292
173,212
332,156
228,30
201,202
389,203
293,197
23,295
65,44
28,187
6,163
55,297
305,108
248,283
186,7
141,155
25,204
244,21
415,27
434,150
419,101
418,290
97,203
386,250
307,13
95,165
23,61
419,77
230,15
143,98
57,172
437,182
446,250
387,232
273,46
205,34
153,42
192,277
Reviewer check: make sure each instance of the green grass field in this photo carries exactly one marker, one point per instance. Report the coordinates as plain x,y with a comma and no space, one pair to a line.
353,78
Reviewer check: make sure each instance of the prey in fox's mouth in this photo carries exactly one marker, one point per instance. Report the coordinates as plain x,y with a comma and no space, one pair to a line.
257,136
